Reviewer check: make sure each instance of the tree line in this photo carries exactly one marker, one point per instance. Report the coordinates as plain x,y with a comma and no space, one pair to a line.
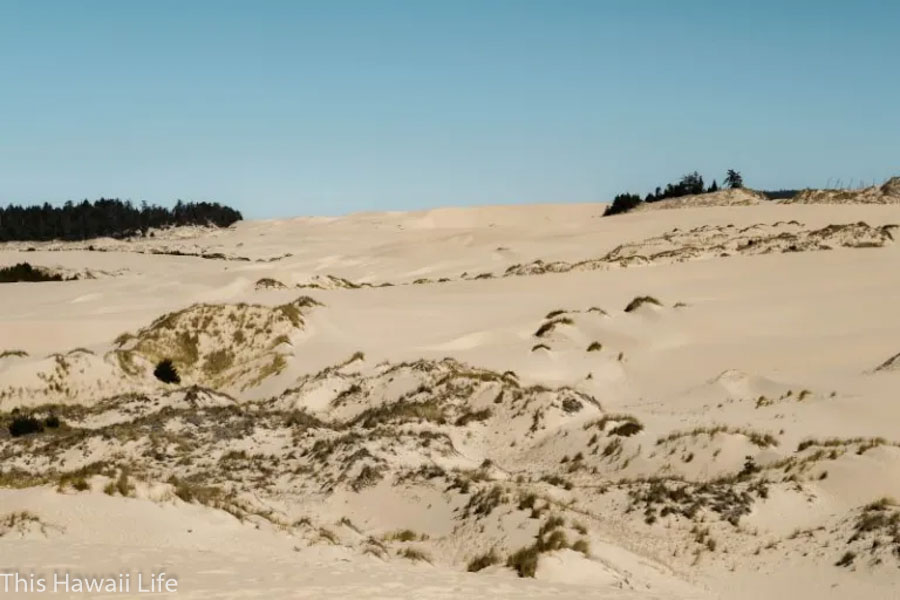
689,185
106,218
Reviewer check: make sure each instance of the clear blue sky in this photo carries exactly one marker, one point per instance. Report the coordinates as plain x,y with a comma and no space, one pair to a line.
291,108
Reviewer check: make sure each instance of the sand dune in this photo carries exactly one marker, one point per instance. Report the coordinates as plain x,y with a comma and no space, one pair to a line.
525,421
887,193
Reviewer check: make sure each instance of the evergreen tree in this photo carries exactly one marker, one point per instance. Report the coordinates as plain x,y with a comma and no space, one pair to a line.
622,203
734,180
105,217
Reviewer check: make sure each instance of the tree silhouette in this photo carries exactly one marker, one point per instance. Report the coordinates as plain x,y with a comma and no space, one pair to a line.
734,180
692,183
622,203
105,217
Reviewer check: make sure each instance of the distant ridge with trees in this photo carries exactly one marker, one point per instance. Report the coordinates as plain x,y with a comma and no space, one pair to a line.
106,218
689,185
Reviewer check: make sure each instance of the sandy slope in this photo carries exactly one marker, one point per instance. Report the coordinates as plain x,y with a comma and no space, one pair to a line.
726,441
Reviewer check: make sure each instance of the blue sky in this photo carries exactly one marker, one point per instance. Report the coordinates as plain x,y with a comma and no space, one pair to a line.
293,108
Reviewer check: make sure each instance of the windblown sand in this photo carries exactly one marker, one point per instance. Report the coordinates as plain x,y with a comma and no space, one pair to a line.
691,403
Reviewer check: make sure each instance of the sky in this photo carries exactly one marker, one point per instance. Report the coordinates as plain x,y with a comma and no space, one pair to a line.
324,108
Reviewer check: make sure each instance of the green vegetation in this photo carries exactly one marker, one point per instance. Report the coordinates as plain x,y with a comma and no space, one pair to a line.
105,217
166,372
690,184
25,272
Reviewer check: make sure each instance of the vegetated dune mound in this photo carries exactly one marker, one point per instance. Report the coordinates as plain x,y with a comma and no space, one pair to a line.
333,282
80,375
222,346
729,197
268,283
710,241
219,346
887,193
611,449
444,462
26,525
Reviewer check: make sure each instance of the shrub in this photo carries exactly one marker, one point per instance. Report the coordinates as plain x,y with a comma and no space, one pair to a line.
622,203
25,272
582,546
595,347
52,422
524,561
24,425
166,372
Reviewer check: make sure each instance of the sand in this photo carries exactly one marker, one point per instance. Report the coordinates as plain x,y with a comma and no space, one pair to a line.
369,403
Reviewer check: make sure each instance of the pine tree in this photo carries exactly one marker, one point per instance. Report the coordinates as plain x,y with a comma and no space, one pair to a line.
734,180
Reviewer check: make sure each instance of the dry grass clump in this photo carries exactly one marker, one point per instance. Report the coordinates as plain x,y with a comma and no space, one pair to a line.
414,555
730,498
473,415
329,536
890,364
484,502
550,537
558,481
582,546
367,477
639,301
402,411
623,425
552,324
483,561
20,522
122,485
762,440
404,535
191,492
875,532
863,444
267,283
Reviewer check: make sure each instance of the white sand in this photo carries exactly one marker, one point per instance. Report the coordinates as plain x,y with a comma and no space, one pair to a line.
783,343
